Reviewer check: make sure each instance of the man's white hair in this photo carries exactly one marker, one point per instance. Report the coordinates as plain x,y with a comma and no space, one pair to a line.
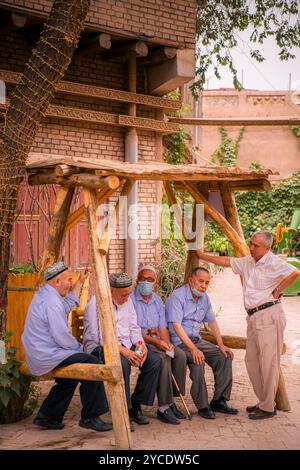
266,235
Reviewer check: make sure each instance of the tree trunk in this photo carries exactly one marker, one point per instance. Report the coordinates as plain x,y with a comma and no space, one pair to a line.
28,104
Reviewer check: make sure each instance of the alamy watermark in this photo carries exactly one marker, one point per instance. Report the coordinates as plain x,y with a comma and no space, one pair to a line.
151,221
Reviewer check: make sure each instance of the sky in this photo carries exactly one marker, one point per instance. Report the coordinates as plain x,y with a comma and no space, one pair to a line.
272,74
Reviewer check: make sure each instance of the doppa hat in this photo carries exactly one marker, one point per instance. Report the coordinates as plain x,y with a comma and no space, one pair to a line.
55,270
148,267
120,280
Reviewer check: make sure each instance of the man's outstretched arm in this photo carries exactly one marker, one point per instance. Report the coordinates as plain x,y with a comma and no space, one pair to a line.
218,260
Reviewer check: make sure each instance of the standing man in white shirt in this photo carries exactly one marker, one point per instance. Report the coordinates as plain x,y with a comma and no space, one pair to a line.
264,277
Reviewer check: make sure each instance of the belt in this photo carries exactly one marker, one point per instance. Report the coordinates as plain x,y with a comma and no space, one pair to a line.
262,307
194,339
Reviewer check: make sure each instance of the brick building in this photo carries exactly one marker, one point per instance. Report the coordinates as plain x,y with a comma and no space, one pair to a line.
160,35
274,146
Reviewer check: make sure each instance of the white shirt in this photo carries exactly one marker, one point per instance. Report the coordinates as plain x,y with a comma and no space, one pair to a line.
260,278
128,331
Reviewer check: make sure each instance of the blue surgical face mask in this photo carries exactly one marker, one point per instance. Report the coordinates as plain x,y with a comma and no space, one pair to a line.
196,292
145,287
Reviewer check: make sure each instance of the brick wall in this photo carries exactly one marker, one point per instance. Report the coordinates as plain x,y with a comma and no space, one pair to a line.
82,139
169,21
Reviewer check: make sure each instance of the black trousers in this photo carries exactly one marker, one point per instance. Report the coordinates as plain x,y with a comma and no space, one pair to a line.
92,393
147,382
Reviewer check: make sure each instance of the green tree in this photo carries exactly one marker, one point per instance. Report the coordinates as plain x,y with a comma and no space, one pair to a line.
220,21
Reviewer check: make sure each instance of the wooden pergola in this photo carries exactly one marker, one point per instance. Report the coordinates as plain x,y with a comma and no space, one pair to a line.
101,178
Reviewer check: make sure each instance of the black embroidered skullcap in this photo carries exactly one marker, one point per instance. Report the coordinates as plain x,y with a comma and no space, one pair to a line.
54,270
120,280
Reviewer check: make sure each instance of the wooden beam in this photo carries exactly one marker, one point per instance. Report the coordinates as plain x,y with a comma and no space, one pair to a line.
79,371
240,121
159,55
57,228
234,342
152,171
94,42
138,48
85,180
18,19
115,391
259,185
65,170
102,93
228,230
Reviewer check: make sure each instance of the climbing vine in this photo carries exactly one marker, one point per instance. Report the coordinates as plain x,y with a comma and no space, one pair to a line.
264,210
296,132
226,153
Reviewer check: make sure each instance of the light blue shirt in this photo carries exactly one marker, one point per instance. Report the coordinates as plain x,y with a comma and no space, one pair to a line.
47,338
182,308
151,314
128,331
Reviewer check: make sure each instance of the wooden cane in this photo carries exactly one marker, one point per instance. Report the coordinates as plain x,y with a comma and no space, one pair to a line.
182,399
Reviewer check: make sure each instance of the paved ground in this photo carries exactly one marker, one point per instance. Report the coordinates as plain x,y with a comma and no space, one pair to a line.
226,432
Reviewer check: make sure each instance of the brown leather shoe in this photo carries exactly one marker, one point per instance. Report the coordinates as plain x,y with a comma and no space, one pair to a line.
261,414
251,409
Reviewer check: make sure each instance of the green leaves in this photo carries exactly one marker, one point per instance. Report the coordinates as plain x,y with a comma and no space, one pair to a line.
227,152
10,377
263,211
220,21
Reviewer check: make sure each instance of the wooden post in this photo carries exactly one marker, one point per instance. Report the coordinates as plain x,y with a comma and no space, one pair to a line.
115,391
239,245
282,399
230,208
78,215
192,261
57,228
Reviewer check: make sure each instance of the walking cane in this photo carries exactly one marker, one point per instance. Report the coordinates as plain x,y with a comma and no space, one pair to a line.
188,414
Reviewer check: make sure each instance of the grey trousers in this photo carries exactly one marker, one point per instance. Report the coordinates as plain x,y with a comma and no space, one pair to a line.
177,365
222,369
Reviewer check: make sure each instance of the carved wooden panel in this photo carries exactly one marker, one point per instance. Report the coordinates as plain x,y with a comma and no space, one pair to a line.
102,93
150,124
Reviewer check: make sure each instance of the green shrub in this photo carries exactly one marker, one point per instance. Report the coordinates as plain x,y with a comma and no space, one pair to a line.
22,268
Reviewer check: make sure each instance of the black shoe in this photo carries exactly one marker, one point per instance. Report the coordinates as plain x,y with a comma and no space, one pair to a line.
96,424
261,414
176,412
167,417
48,423
222,407
206,413
136,414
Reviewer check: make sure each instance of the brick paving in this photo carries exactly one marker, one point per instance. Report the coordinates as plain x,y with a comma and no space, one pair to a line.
226,432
